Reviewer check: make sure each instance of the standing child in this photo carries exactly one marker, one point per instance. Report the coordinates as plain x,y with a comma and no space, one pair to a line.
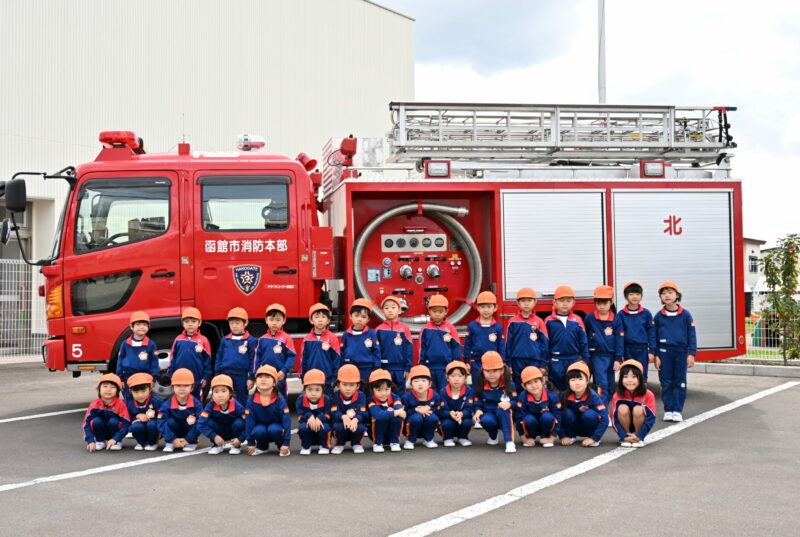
438,341
191,350
275,348
236,353
538,410
320,346
107,419
584,413
568,342
637,325
677,346
483,334
455,410
177,419
526,338
606,341
493,399
222,420
421,403
385,411
394,343
143,407
314,414
633,407
267,418
349,410
359,342
137,354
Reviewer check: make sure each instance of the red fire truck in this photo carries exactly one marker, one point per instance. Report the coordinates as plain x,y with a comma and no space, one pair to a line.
469,197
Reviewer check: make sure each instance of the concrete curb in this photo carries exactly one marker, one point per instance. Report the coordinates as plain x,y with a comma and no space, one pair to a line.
750,370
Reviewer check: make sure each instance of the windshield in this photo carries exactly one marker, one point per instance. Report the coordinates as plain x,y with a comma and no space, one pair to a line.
60,228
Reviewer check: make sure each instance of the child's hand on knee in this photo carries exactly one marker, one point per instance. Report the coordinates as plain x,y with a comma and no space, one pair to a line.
567,441
218,440
587,442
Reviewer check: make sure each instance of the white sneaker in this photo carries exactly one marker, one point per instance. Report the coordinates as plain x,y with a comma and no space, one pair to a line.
547,444
464,442
638,444
677,416
216,450
625,444
511,447
168,448
190,447
358,448
377,448
138,447
595,444
667,416
394,447
408,445
235,450
337,450
116,447
493,441
449,443
151,447
305,451
99,445
129,435
430,444
323,451
259,452
610,422
477,426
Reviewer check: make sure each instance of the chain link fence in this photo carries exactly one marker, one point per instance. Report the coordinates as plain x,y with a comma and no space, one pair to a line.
764,339
23,325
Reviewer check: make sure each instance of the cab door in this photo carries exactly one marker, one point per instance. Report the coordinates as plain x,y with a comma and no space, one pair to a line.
245,245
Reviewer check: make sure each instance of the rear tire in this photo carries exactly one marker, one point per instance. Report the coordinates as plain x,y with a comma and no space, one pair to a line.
163,340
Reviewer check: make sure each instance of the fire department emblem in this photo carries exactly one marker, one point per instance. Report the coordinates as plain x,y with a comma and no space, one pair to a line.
492,337
142,355
447,338
191,419
150,413
609,331
247,277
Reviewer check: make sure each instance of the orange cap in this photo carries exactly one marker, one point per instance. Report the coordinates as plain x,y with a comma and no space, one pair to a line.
110,377
438,300
222,380
362,303
139,316
419,371
563,291
314,376
392,298
580,366
631,283
454,365
486,297
669,284
348,373
380,374
530,373
237,313
604,291
193,313
140,378
276,306
634,363
267,369
492,360
526,292
182,377
318,307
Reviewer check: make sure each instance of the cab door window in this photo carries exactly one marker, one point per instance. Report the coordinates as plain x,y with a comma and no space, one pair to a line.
245,203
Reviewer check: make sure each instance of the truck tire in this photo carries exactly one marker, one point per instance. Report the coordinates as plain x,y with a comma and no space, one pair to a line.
163,340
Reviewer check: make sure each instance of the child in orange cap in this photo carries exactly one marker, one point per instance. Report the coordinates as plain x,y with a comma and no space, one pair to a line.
236,353
191,350
386,412
394,342
494,396
106,421
143,407
438,341
267,417
177,418
538,410
421,403
637,326
458,402
584,413
606,341
137,354
275,348
348,410
360,342
633,407
222,420
568,341
483,334
321,346
314,414
526,338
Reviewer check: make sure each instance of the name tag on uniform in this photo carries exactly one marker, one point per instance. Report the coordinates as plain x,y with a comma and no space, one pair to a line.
398,340
609,331
198,348
447,338
368,343
143,355
150,413
492,337
325,345
243,349
277,349
534,337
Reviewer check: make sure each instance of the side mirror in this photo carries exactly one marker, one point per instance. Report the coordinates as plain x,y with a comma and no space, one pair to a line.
16,196
5,231
2,188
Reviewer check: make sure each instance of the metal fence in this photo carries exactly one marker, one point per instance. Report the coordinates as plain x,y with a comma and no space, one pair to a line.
764,340
23,325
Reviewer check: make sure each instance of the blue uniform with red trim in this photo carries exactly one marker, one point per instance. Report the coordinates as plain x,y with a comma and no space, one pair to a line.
527,344
493,417
677,339
340,406
606,346
267,423
438,346
587,416
416,423
480,339
568,344
278,351
180,421
192,353
464,402
362,349
307,409
235,358
397,351
104,421
136,356
321,351
384,425
538,418
145,432
640,337
647,402
228,422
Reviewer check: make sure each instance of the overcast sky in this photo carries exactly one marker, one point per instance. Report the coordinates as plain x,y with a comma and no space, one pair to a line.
699,52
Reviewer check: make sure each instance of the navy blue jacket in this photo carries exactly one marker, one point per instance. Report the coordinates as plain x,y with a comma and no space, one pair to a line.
306,409
360,349
233,413
526,343
590,399
481,339
431,399
192,353
568,341
321,352
115,409
606,338
491,397
275,350
275,411
396,347
149,408
526,405
464,402
647,401
676,330
358,404
384,410
137,357
190,413
638,329
235,354
438,345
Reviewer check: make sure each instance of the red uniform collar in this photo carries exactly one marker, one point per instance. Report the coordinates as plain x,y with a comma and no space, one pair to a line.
175,404
307,403
246,335
498,387
449,391
665,311
544,398
640,309
429,395
610,316
145,342
272,399
571,396
389,400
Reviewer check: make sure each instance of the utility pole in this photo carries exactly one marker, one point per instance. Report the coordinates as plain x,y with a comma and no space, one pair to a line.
601,51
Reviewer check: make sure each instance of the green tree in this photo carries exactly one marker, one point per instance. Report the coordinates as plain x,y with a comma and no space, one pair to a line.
783,312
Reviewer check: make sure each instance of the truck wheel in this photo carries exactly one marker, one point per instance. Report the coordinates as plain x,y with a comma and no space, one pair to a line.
163,341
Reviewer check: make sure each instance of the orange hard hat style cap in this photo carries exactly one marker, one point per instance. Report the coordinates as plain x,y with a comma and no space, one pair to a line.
631,283
138,379
222,380
563,291
182,377
438,300
194,313
492,360
314,376
580,366
419,371
604,292
380,374
530,373
486,297
139,317
267,369
526,292
110,377
455,364
238,313
276,307
348,373
392,298
362,303
633,363
318,307
669,284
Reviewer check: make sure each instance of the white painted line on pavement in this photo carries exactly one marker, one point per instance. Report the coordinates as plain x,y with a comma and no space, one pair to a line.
45,415
495,502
